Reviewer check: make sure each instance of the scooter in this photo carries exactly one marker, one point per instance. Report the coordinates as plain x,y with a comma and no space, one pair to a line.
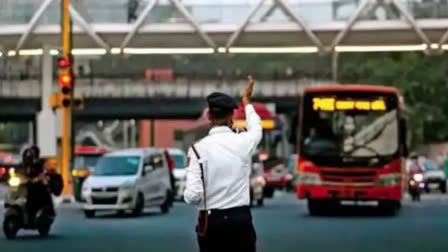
416,186
17,216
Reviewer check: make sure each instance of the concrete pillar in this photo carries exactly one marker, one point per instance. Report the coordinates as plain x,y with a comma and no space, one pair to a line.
125,134
46,119
144,138
133,134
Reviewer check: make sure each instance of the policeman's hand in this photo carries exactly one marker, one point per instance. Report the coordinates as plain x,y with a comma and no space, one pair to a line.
248,91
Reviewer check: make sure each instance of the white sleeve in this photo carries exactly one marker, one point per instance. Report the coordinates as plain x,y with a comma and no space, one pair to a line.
254,130
193,189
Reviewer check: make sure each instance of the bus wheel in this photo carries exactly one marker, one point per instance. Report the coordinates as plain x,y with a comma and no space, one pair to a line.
316,207
389,208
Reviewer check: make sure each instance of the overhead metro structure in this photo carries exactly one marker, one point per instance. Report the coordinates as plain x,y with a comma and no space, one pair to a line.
238,26
130,99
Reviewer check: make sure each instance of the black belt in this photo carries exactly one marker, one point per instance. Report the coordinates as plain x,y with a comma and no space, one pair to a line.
229,211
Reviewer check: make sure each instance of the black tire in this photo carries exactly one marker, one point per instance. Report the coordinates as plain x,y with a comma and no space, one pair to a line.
121,213
89,213
139,205
316,207
11,226
260,202
171,199
427,189
268,192
165,207
44,230
390,208
443,187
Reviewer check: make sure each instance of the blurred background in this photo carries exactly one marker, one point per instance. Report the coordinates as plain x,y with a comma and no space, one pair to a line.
143,68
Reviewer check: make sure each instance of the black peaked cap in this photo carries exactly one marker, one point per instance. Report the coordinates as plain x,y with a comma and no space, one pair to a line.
221,101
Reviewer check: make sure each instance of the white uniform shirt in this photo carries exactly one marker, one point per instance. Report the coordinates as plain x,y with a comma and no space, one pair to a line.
226,157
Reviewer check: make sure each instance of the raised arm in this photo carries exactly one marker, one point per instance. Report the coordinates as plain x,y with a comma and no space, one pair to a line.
254,130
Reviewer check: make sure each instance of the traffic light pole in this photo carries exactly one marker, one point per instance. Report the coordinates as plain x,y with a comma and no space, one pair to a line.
66,111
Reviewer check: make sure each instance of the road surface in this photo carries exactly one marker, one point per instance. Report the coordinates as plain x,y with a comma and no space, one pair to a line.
282,225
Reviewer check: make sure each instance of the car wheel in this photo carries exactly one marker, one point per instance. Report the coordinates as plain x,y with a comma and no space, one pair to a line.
443,187
165,207
139,205
44,230
89,213
260,202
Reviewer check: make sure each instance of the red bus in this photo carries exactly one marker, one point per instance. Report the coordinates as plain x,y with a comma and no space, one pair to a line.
352,141
272,149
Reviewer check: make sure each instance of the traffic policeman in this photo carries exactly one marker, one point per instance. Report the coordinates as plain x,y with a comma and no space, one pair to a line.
218,177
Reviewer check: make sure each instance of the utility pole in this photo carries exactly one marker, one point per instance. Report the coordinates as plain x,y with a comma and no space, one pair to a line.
66,87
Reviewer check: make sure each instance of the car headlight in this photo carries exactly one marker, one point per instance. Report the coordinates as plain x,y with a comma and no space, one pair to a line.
126,186
85,187
418,177
393,179
309,178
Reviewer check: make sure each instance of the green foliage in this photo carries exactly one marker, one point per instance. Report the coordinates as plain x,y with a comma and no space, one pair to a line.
421,79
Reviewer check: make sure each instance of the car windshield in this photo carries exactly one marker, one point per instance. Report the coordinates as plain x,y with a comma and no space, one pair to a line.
86,161
179,161
350,133
117,166
430,165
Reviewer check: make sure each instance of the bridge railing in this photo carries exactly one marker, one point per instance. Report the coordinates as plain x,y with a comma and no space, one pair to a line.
313,11
127,88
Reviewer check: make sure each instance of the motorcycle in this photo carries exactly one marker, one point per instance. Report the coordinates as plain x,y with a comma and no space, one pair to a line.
18,216
416,186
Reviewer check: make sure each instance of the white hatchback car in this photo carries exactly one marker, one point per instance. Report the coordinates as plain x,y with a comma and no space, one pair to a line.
180,174
128,180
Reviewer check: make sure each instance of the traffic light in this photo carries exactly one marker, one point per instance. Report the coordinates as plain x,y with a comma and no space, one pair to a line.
57,100
65,81
78,103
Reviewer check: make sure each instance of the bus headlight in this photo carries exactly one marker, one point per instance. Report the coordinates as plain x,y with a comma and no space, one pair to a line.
309,178
393,179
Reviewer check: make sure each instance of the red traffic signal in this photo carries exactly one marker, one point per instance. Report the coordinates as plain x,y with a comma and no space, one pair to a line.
64,63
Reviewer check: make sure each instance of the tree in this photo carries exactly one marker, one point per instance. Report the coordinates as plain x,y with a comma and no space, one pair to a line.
421,80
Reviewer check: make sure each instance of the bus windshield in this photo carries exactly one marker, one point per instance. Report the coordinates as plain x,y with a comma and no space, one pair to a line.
349,127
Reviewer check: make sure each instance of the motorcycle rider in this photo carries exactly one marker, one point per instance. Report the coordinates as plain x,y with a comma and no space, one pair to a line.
413,166
38,195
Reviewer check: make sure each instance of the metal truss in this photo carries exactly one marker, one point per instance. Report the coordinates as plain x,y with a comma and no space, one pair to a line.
375,5
368,7
33,23
287,11
181,8
78,19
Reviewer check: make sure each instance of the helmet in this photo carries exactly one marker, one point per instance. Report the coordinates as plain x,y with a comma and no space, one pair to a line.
36,150
28,156
413,155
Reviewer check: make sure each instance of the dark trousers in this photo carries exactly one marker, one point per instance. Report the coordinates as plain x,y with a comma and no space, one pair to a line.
229,230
